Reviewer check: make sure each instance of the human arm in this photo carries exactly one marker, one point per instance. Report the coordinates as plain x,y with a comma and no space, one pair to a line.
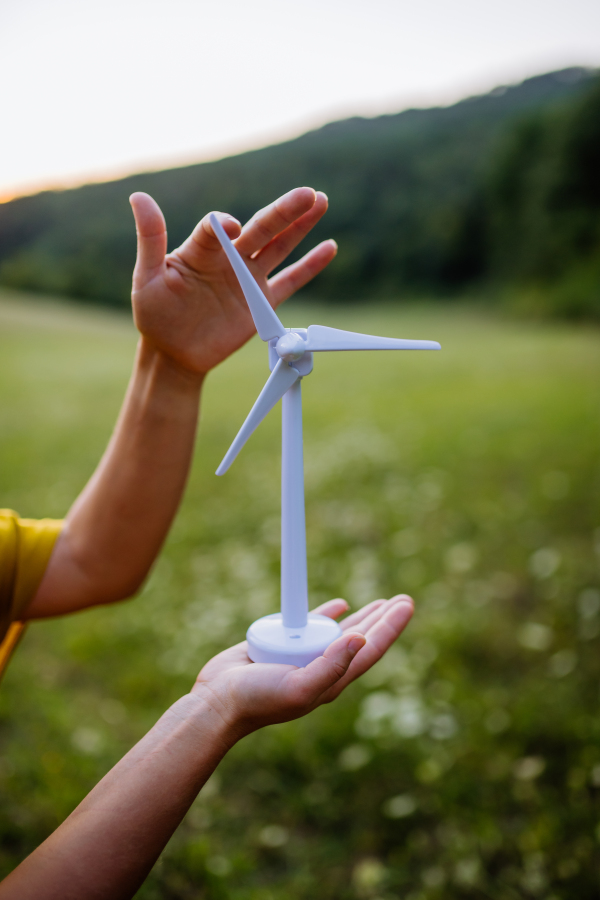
107,846
191,315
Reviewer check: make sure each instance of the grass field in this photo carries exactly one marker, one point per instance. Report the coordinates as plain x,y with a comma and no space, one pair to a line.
467,763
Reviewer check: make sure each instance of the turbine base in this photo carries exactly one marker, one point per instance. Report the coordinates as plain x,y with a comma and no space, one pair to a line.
269,641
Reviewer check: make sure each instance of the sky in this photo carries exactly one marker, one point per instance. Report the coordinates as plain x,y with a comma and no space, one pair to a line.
93,90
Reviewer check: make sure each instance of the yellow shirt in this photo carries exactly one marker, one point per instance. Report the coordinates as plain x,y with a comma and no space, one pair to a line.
25,549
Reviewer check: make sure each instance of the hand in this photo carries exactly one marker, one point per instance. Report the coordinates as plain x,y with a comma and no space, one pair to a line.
250,695
107,845
189,305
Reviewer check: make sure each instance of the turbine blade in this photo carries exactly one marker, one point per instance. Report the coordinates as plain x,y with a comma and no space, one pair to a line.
320,337
266,321
282,377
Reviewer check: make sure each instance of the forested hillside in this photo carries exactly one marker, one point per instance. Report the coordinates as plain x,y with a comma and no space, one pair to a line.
429,200
541,209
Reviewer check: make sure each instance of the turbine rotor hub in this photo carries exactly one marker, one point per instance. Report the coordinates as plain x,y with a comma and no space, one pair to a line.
290,347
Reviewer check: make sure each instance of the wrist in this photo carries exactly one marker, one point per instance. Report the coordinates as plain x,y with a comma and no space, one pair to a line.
202,716
167,368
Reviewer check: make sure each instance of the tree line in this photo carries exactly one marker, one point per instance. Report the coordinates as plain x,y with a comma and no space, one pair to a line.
498,194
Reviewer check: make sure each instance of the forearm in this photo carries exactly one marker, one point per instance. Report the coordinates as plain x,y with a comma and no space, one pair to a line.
117,525
109,843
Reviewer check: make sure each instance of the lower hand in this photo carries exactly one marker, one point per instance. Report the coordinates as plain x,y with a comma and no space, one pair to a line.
249,695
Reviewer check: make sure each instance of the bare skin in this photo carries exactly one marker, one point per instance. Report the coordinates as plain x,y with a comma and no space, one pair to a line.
107,846
191,315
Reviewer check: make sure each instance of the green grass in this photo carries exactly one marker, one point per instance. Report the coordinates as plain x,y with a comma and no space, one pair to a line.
467,763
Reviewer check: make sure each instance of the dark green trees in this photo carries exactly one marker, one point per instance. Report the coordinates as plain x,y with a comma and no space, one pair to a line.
500,189
543,208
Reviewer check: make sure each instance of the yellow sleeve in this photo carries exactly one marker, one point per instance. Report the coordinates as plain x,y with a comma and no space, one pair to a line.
25,549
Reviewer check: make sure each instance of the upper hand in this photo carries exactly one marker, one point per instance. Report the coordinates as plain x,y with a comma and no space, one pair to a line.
249,695
188,304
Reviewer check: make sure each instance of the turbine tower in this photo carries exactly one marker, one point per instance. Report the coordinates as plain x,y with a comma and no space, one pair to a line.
292,636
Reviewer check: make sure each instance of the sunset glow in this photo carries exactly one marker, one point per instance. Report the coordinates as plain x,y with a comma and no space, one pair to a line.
97,90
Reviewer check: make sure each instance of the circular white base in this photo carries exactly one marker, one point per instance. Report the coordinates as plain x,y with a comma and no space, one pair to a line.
270,642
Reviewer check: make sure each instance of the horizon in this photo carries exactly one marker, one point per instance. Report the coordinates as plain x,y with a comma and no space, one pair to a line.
268,140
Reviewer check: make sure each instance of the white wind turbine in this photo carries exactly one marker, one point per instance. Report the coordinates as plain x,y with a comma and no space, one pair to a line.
291,636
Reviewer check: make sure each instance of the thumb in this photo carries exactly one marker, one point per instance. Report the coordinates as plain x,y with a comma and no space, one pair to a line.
151,238
325,671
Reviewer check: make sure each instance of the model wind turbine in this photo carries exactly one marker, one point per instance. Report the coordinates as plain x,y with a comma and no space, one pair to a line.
291,636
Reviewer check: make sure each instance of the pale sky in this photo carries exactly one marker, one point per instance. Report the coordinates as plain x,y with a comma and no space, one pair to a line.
98,88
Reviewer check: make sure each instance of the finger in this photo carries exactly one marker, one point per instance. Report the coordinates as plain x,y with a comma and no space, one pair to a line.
382,635
268,222
294,277
387,629
151,237
356,618
283,244
332,609
379,638
307,684
203,240
367,621
375,615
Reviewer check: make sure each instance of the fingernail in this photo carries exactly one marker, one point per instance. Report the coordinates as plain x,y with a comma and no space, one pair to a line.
325,195
335,244
355,645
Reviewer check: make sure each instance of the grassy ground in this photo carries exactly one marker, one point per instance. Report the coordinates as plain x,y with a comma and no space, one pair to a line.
467,764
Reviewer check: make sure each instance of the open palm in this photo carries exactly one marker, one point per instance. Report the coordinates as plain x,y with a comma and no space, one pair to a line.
189,304
250,695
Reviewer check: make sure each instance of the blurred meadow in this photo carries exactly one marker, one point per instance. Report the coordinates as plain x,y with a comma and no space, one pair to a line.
466,764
